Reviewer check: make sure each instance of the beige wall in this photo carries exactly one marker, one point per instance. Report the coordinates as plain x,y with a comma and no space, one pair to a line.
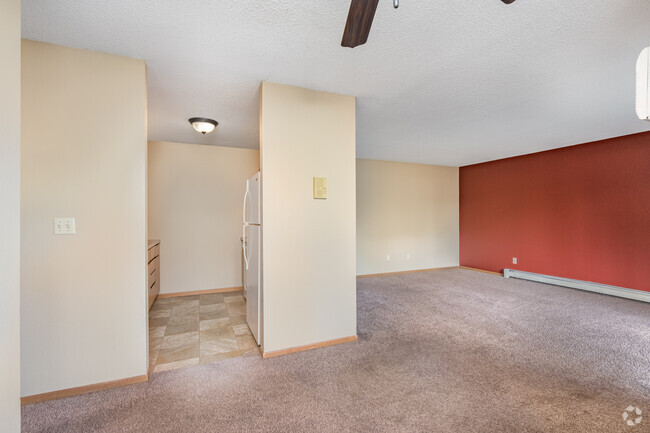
195,208
83,306
407,211
309,285
10,215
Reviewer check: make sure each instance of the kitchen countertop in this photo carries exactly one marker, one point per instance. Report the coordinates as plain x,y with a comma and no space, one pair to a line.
153,243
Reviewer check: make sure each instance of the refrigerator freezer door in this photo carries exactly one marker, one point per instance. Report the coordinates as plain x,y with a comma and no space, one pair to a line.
252,279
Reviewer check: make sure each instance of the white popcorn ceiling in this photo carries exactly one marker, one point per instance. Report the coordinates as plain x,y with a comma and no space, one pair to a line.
439,82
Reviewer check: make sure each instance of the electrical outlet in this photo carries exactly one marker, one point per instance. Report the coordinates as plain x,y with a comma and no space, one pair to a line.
388,257
64,226
408,256
514,260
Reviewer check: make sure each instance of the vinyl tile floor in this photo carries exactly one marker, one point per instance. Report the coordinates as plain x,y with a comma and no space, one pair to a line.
192,330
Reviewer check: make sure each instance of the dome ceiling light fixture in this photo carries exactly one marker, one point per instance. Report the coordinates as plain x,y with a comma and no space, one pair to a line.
203,124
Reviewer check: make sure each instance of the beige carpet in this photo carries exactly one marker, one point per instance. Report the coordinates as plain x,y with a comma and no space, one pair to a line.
445,351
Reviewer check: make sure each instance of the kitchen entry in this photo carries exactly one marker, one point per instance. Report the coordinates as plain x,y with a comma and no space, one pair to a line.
208,326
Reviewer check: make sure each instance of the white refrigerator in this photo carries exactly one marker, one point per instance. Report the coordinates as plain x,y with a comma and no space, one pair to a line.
252,256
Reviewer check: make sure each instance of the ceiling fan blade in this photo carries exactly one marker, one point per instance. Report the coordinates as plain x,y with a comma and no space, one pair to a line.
508,1
360,17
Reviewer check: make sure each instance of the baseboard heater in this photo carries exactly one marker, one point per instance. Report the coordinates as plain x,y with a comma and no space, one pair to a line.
621,292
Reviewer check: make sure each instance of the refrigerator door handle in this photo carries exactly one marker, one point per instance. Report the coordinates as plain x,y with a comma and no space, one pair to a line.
244,205
243,244
247,258
243,229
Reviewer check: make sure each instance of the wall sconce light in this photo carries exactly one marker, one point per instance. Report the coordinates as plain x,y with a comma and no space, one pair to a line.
203,124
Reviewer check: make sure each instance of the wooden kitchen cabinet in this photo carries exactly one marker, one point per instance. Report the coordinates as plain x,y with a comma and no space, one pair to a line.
153,280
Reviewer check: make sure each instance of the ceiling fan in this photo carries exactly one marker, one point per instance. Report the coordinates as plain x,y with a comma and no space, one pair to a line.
360,17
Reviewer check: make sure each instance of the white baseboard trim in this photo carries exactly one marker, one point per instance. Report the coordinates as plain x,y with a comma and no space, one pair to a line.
621,292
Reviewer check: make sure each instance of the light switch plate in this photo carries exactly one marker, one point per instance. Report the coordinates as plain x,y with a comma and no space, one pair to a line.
64,226
320,188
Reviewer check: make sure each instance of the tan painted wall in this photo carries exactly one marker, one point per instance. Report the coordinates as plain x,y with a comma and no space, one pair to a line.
195,208
10,215
407,211
309,285
83,306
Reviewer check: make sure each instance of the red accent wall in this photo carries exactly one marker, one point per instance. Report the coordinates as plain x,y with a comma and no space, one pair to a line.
580,212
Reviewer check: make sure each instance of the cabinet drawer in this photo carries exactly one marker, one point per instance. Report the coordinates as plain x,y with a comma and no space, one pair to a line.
153,292
154,252
152,267
153,278
152,296
154,289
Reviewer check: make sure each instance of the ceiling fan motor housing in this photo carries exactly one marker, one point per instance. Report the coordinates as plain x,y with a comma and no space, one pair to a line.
362,12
